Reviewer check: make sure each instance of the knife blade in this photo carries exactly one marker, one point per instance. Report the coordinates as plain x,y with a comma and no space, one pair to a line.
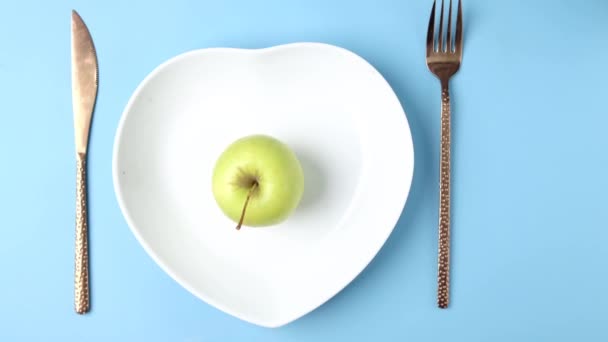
84,95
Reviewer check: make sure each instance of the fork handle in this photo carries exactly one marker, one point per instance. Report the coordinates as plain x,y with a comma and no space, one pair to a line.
443,274
81,269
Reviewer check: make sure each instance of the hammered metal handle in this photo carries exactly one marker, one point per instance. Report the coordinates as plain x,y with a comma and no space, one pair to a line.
81,269
443,274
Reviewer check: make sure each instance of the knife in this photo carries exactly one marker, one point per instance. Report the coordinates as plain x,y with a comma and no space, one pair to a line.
84,94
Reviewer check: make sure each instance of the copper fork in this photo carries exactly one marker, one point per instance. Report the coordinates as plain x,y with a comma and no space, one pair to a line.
443,57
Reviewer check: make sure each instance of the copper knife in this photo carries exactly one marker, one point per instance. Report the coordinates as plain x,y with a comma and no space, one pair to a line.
84,93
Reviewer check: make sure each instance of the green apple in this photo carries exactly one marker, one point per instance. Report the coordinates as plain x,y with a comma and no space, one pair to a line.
257,181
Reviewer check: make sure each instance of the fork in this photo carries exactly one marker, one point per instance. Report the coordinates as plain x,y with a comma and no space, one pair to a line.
443,57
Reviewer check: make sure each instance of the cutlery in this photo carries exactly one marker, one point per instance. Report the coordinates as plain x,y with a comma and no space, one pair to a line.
84,94
443,57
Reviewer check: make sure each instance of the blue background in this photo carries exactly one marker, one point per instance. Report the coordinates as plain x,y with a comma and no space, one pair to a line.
530,216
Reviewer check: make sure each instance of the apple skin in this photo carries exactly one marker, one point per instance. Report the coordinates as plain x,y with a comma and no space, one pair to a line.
275,168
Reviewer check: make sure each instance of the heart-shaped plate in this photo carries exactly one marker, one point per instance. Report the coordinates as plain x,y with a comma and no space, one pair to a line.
344,123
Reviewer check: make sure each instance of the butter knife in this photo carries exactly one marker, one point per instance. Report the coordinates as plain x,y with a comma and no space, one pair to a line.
84,94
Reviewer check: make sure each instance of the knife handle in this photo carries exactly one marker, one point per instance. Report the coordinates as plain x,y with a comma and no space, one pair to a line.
81,269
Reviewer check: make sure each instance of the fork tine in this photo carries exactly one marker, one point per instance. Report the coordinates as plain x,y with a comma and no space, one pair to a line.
449,41
459,29
440,33
430,44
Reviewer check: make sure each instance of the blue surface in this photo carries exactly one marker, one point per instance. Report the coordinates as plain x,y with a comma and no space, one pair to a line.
530,216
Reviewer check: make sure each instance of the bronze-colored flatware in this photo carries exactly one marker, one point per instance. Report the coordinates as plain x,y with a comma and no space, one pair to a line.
443,57
84,94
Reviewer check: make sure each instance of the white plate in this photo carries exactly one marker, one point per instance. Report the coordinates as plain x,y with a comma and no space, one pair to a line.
346,126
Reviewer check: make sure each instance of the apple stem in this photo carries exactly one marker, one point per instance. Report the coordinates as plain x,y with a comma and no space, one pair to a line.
251,190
